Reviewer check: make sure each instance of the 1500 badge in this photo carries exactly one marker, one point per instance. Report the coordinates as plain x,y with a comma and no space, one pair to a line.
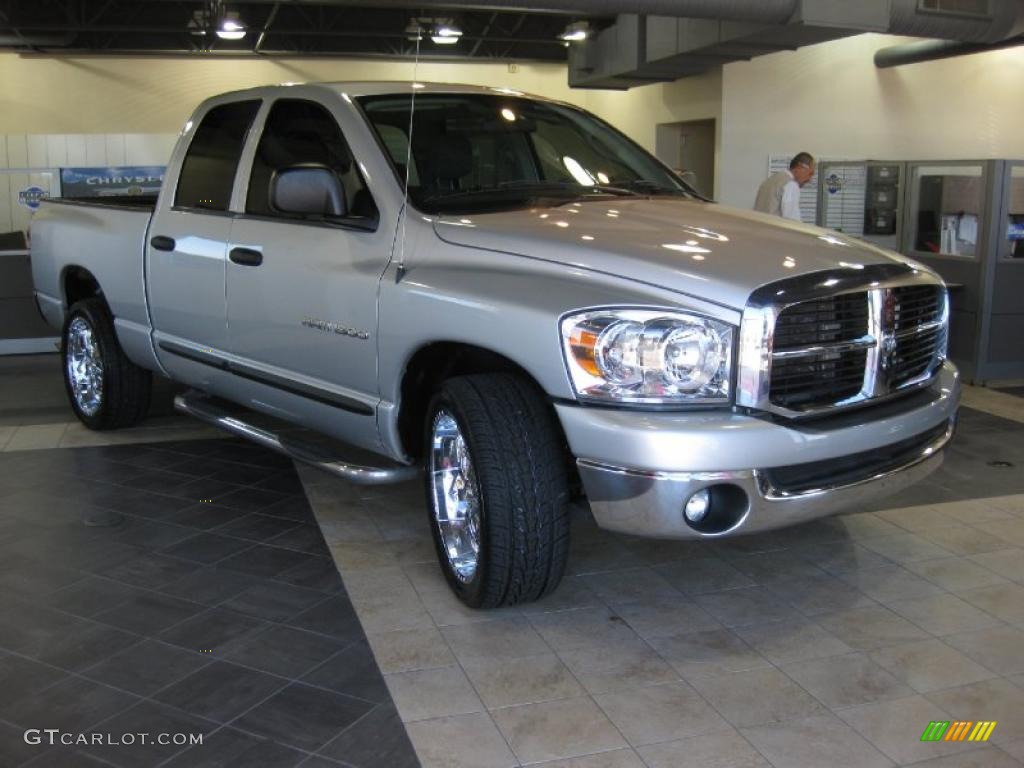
324,325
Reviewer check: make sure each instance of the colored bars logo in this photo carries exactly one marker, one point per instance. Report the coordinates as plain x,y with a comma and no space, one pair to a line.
958,730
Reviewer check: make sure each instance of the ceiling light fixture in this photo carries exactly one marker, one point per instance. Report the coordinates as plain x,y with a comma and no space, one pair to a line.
576,32
446,34
231,27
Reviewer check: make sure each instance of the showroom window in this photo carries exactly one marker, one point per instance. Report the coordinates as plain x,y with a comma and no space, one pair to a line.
208,172
948,204
304,133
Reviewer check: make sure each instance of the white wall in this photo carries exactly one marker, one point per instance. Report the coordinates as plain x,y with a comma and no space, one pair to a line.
832,101
44,94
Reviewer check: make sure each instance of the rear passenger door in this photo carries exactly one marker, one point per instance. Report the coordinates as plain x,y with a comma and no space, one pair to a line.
302,290
188,238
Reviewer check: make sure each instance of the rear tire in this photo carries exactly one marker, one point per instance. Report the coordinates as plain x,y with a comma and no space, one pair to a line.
497,490
105,388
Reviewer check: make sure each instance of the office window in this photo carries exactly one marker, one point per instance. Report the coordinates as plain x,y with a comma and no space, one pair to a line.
947,216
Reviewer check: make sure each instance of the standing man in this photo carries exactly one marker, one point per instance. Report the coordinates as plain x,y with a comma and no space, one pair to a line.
779,194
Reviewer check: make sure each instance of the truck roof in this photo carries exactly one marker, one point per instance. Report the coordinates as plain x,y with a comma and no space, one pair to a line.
385,87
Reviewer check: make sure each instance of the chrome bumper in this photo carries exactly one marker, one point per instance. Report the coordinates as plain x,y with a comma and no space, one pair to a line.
650,502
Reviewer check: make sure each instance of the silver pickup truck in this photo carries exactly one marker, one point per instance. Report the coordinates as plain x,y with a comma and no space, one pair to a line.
508,296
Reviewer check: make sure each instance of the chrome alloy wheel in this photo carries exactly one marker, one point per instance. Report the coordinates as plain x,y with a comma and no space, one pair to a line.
84,366
455,496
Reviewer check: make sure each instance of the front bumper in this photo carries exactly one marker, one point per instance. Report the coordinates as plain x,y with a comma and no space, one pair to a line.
647,465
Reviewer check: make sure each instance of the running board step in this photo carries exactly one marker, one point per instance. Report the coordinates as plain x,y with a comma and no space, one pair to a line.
204,409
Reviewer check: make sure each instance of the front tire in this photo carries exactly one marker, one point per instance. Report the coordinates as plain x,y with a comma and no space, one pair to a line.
105,388
497,490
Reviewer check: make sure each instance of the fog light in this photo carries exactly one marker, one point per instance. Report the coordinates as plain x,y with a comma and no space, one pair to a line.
697,506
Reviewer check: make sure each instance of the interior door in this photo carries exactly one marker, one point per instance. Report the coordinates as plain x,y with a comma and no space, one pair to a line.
302,286
188,239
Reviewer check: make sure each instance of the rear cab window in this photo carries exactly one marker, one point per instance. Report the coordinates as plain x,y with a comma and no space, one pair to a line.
208,171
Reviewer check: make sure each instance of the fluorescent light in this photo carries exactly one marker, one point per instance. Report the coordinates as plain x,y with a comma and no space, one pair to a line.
445,34
576,32
231,28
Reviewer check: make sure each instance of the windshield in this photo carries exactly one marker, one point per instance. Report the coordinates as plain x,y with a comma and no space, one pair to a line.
473,152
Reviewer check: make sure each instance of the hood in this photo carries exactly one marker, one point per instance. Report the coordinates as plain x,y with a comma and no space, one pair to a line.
717,253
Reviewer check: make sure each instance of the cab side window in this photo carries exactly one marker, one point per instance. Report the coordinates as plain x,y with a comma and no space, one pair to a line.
208,172
303,133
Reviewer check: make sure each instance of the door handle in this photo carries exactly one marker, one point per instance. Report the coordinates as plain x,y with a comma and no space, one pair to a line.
247,257
162,243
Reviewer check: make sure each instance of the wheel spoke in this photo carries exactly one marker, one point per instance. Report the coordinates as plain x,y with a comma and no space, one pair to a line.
84,366
455,499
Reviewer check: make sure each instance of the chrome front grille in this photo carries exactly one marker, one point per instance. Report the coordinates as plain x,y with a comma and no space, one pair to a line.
822,351
802,378
918,330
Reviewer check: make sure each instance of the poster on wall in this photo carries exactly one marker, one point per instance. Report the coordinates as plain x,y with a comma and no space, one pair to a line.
112,181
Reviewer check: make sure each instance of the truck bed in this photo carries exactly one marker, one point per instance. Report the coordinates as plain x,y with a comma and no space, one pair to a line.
104,238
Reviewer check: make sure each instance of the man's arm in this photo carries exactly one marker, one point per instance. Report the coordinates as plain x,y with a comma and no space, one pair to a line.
790,206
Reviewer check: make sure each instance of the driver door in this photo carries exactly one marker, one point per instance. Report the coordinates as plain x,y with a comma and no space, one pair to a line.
302,290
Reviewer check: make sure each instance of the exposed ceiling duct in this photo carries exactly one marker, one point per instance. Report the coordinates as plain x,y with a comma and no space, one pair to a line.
638,49
933,50
767,11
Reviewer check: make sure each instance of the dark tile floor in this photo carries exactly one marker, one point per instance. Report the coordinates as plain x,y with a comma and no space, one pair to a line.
179,588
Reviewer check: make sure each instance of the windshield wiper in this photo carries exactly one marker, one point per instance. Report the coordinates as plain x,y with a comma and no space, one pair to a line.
571,186
650,187
528,188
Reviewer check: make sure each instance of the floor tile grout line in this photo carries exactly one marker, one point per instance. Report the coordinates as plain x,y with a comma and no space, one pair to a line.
143,638
51,750
900,565
804,617
437,628
140,698
205,607
440,631
7,447
157,592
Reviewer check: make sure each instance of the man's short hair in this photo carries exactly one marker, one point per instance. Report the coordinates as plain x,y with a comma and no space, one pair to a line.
802,158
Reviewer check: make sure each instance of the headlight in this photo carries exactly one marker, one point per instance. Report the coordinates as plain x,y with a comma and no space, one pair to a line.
648,356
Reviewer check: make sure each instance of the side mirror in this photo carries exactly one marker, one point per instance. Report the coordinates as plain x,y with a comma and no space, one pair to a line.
309,190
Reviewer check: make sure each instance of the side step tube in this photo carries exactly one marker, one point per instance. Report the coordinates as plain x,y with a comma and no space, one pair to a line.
204,410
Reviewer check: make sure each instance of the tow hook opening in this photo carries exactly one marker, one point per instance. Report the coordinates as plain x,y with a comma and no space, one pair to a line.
715,508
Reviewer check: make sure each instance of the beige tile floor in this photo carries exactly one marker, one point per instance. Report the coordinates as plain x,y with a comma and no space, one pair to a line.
830,644
75,435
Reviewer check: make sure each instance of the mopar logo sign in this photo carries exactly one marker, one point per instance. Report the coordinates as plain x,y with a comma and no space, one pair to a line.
833,183
30,197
